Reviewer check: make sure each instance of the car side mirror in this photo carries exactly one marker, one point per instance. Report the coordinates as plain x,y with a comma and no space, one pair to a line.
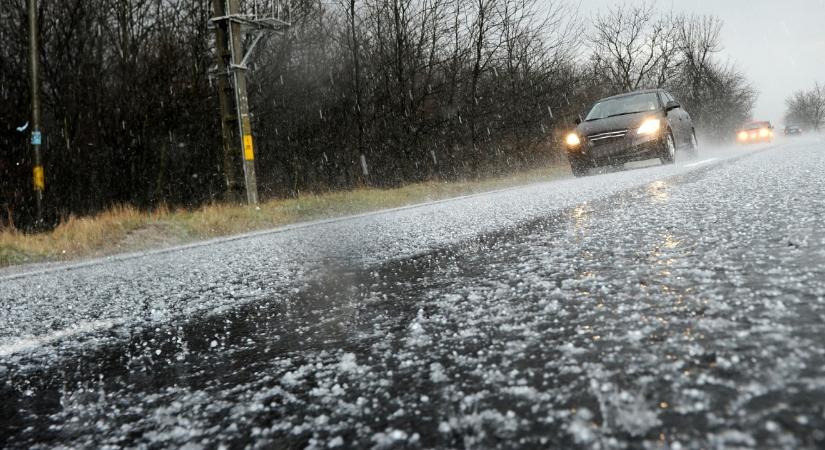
671,105
578,120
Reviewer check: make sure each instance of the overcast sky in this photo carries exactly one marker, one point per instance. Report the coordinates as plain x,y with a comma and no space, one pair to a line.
779,44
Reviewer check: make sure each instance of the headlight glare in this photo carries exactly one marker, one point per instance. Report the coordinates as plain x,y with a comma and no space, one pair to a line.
650,126
573,140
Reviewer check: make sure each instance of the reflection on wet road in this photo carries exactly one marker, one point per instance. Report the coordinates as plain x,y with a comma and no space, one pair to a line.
685,311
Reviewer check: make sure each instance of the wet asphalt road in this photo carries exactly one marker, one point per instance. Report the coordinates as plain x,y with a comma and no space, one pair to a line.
661,307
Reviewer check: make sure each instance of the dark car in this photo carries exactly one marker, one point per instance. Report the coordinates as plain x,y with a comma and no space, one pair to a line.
792,130
631,127
754,132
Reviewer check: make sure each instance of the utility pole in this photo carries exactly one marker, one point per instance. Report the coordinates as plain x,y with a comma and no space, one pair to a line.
38,176
242,104
231,26
226,90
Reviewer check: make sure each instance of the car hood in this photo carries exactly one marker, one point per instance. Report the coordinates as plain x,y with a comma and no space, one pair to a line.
616,123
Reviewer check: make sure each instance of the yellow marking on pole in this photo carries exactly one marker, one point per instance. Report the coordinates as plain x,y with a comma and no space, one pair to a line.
39,178
248,149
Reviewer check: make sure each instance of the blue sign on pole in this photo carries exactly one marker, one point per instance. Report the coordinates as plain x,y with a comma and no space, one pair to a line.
37,138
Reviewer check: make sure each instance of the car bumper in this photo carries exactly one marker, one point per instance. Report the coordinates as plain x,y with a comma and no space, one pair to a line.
626,149
756,141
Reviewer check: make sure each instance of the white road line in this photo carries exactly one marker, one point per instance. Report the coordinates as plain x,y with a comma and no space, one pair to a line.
704,161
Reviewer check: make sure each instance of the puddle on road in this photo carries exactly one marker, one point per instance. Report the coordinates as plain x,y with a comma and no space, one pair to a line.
343,310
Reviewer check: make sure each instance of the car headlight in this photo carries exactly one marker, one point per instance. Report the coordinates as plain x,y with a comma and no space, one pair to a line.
764,132
573,140
743,135
650,126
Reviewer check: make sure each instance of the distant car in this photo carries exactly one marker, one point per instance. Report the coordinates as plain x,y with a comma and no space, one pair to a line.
754,132
792,130
631,127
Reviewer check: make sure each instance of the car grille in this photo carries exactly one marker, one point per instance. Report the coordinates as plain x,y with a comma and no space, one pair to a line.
604,138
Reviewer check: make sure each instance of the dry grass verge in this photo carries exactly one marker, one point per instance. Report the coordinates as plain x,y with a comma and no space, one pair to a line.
124,228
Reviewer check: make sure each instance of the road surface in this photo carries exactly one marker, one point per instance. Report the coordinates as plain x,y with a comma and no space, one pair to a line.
672,307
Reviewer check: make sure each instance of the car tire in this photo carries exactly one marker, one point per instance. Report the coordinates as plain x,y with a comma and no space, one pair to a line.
693,150
579,168
668,151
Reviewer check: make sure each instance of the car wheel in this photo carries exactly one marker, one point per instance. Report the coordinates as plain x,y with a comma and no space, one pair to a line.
579,168
668,155
693,150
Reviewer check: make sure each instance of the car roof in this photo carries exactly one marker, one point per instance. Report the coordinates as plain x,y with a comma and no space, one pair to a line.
628,94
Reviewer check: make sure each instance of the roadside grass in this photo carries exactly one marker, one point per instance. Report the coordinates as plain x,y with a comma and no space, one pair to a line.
125,228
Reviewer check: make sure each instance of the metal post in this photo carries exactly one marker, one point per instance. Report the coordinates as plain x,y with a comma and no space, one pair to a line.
38,175
242,104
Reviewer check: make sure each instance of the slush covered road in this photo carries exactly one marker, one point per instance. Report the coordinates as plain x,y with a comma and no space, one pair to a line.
663,307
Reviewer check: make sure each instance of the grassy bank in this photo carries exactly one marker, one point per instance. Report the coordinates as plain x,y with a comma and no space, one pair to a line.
124,229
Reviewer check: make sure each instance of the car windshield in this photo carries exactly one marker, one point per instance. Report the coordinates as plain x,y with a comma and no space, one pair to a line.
756,125
623,105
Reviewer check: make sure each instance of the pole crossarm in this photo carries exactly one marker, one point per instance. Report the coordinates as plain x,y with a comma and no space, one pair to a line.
245,61
252,23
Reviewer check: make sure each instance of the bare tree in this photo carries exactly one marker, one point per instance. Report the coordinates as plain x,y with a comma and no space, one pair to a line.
637,47
632,47
807,107
698,44
727,103
354,43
